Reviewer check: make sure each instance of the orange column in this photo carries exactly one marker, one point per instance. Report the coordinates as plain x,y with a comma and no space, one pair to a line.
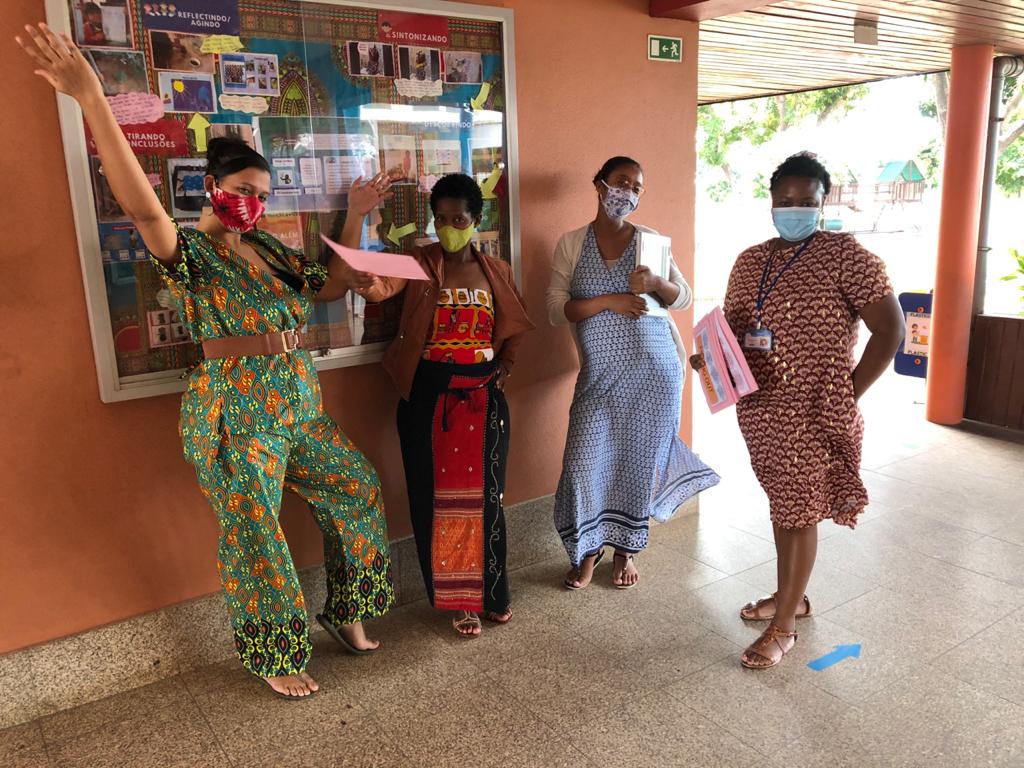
962,171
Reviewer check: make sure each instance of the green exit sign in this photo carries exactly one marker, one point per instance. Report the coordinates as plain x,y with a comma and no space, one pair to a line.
664,48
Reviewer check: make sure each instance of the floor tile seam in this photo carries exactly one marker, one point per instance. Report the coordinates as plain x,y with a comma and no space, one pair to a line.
944,521
640,670
739,736
924,658
727,573
41,739
751,533
917,483
914,455
957,565
1000,538
986,691
206,721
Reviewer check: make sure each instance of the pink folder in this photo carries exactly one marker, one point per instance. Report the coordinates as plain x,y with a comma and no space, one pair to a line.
718,360
379,262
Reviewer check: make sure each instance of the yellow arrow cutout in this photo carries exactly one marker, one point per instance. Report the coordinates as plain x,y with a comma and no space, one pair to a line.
198,125
396,234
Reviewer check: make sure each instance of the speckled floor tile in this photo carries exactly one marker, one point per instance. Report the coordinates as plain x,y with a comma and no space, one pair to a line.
168,738
765,709
22,747
991,659
658,729
71,724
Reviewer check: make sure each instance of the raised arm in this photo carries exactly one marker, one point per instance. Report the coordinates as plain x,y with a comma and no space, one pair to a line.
64,67
363,198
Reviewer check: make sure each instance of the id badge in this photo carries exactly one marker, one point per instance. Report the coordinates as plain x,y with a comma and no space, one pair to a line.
759,339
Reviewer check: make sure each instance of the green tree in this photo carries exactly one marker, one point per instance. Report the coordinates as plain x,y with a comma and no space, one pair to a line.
1010,163
722,126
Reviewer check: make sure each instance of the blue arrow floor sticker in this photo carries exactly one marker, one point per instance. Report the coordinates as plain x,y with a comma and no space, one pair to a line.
840,653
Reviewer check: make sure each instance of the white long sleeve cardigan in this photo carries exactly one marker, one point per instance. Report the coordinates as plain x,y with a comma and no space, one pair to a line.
567,256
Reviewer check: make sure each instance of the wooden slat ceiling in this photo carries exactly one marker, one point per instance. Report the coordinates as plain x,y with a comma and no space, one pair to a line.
797,45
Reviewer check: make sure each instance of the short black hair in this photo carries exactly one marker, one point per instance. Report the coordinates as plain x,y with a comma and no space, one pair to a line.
612,163
805,165
226,155
459,186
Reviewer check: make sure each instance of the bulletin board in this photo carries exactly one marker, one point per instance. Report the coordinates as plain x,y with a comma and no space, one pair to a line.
326,91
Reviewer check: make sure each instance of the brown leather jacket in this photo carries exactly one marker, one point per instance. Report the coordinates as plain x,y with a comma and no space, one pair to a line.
406,350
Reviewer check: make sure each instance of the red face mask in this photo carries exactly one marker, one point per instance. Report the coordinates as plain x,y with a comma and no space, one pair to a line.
238,213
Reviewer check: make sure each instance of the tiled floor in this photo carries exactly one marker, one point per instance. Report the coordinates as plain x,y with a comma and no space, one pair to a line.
931,585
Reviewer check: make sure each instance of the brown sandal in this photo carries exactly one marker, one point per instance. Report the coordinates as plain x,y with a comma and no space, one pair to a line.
626,558
756,605
465,625
497,617
578,571
760,648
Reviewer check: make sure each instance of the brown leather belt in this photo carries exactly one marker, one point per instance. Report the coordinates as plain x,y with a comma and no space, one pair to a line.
247,346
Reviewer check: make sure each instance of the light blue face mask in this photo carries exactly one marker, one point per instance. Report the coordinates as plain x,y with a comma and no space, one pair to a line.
796,224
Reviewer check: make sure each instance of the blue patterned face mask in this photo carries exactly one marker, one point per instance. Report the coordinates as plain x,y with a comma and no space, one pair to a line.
796,224
619,203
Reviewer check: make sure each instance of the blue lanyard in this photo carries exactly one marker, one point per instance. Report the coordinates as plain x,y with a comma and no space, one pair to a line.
763,289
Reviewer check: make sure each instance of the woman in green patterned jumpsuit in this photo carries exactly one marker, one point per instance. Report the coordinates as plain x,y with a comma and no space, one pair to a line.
252,420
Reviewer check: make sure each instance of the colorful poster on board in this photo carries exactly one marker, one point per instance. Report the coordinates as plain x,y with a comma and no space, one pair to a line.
206,17
119,71
101,23
463,67
254,74
187,92
187,192
120,241
400,162
180,52
371,59
164,138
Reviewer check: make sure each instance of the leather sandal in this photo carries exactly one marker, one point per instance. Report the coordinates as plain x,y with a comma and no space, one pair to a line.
761,647
578,571
464,624
754,606
625,559
497,617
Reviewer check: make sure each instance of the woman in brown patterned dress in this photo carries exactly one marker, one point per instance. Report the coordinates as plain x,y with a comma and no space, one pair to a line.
795,303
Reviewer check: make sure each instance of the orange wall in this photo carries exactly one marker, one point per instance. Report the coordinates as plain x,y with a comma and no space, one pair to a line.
102,519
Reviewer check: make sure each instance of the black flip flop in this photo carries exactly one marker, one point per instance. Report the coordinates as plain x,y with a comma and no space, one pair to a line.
333,632
597,560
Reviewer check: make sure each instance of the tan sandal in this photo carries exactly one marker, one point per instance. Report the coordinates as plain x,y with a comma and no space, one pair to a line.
626,558
500,618
578,572
761,647
753,607
465,625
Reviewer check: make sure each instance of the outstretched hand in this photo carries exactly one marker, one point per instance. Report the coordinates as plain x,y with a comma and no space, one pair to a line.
363,197
60,62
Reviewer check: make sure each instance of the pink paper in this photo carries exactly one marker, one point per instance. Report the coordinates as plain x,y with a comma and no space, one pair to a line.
133,108
725,376
379,262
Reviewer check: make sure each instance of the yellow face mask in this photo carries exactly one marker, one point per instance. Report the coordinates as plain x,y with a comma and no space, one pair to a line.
454,239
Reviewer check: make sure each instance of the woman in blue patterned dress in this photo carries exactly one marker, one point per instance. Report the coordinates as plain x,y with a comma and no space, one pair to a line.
624,462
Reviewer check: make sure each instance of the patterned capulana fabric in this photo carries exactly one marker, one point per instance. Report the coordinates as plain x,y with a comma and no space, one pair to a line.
624,462
803,428
463,327
255,426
